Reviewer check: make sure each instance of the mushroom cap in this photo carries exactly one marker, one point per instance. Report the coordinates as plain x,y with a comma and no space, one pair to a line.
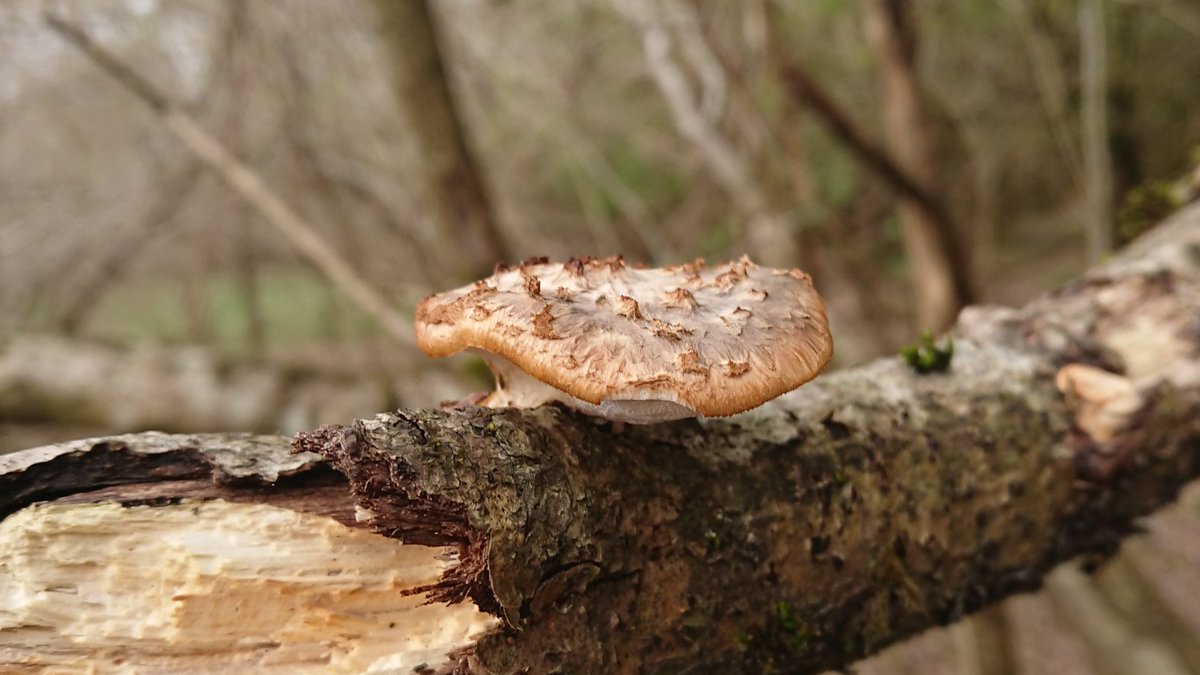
717,340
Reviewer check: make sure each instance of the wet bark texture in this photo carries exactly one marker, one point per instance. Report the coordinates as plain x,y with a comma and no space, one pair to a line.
857,511
861,509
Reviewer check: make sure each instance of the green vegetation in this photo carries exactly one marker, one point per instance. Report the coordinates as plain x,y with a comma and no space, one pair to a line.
927,357
297,308
790,628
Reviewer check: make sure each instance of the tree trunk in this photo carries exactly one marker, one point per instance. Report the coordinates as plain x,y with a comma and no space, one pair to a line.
869,505
452,182
938,272
1097,162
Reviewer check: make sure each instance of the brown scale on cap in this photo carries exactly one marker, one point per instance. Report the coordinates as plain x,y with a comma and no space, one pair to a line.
736,368
671,331
543,325
576,265
680,298
691,270
628,307
533,286
689,362
638,345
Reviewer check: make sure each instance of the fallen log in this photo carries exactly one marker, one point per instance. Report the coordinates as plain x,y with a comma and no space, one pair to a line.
863,508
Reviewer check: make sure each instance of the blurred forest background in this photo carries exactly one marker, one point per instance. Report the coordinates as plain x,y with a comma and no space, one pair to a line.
913,155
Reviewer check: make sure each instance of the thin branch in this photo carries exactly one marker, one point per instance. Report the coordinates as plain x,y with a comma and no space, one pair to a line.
809,93
327,180
1048,76
768,231
245,181
114,260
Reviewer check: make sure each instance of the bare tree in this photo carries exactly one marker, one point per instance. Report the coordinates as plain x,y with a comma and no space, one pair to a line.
880,163
1097,160
937,272
231,58
670,32
96,275
453,184
244,181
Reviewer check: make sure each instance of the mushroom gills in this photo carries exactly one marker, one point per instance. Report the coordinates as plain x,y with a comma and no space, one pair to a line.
516,388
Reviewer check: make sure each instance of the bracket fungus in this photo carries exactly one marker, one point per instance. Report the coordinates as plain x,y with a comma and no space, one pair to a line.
631,344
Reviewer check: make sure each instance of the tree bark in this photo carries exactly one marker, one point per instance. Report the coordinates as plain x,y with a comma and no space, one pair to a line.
453,184
867,506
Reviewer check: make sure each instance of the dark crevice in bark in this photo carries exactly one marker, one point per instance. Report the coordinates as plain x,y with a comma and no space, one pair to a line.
320,491
104,465
236,461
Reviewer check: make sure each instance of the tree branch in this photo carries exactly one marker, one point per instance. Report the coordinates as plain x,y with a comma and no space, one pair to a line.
867,506
696,118
809,93
244,181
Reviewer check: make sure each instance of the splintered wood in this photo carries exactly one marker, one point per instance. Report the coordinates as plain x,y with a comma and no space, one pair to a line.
215,585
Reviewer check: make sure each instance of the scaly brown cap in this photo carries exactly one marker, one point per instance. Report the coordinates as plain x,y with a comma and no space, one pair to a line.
639,345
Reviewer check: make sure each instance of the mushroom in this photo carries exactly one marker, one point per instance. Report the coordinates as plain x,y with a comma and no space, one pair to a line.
635,345
1104,402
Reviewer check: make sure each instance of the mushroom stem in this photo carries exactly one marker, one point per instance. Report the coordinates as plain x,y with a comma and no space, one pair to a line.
517,389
